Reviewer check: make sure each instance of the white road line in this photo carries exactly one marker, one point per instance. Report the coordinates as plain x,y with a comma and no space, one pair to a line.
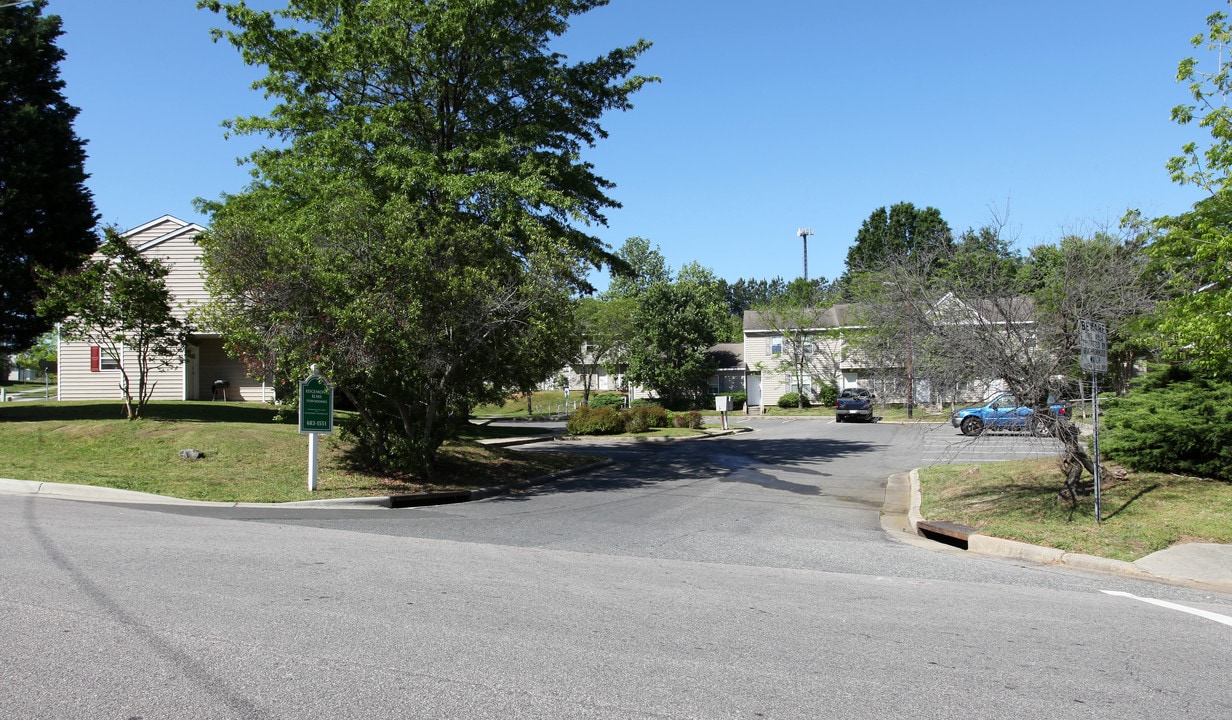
1173,606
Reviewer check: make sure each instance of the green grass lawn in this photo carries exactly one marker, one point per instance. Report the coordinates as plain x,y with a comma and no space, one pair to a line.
1018,500
544,403
249,455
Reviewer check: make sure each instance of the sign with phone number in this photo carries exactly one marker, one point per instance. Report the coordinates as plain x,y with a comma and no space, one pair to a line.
316,406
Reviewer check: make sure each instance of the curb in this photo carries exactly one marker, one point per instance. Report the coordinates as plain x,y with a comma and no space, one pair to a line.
1015,550
102,494
706,434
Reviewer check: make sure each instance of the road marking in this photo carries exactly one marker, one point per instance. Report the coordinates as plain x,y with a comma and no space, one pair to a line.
1173,606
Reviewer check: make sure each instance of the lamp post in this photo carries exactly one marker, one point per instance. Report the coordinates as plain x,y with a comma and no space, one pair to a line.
804,233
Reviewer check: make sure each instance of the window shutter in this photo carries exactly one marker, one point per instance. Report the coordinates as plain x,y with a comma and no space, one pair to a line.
95,358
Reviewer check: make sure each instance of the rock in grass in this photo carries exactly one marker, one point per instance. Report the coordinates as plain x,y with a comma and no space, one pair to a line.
191,454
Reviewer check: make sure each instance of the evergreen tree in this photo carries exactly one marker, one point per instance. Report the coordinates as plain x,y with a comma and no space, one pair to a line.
46,213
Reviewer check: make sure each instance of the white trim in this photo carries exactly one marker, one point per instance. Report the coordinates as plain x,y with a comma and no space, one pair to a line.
170,236
146,226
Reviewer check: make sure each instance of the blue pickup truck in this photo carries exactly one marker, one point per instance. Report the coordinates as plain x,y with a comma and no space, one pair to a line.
854,403
1003,412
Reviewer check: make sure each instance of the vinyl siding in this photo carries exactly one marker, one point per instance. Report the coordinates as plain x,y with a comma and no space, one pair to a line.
214,364
757,349
171,241
78,382
182,258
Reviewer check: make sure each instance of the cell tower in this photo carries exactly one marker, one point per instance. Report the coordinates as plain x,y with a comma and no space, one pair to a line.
804,233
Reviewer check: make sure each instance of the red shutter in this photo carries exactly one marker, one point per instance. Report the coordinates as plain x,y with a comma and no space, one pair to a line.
95,358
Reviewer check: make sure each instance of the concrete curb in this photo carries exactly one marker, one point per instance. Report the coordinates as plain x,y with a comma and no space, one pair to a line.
1015,550
521,440
102,494
706,434
66,491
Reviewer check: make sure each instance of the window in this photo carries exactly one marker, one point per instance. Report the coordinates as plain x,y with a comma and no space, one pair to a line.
776,344
103,359
807,389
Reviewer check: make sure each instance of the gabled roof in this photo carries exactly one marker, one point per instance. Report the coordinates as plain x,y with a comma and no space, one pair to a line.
176,228
189,228
1007,309
157,221
836,316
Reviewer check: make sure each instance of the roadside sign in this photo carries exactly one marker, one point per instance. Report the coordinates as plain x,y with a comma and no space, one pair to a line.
316,406
1093,346
1093,356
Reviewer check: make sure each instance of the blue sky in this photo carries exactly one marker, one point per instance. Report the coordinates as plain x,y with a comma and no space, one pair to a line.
771,115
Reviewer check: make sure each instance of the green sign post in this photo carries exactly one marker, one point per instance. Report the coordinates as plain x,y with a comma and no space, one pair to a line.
316,417
316,406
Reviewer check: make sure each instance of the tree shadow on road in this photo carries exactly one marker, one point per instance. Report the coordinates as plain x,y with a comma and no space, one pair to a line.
673,465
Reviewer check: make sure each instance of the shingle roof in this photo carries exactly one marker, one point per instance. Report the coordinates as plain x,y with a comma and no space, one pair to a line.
727,356
836,316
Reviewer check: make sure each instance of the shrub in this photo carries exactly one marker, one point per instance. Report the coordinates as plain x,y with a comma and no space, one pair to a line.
827,394
645,417
644,402
1174,423
791,400
691,419
595,421
608,400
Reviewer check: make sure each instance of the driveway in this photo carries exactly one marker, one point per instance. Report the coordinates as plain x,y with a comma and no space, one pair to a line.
739,577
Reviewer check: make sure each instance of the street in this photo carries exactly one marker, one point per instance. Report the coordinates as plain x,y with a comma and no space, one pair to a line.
739,577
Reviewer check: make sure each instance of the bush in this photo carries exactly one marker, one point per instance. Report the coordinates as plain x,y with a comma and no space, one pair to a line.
644,402
738,399
691,419
645,417
827,394
595,421
608,400
791,400
1173,423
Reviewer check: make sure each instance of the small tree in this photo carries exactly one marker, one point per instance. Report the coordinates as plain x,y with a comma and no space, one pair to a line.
120,302
805,320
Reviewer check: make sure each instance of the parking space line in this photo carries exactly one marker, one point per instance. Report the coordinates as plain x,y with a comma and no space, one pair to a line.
1173,606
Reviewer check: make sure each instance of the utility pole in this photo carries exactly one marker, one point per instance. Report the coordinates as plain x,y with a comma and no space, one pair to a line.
804,233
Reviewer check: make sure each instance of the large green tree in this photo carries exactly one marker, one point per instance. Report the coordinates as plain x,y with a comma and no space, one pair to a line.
1194,249
427,187
120,302
46,213
902,230
642,267
674,325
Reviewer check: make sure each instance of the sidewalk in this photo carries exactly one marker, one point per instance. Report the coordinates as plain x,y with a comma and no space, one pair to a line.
1199,564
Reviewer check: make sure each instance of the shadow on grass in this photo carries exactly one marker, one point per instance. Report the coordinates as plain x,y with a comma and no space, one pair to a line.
1131,500
167,411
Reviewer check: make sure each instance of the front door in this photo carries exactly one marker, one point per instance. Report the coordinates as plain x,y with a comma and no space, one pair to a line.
754,390
192,372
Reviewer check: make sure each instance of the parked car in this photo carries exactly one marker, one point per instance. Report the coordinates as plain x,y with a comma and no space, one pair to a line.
1004,412
854,403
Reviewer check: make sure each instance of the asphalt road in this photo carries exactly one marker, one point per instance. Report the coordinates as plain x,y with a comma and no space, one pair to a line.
741,577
